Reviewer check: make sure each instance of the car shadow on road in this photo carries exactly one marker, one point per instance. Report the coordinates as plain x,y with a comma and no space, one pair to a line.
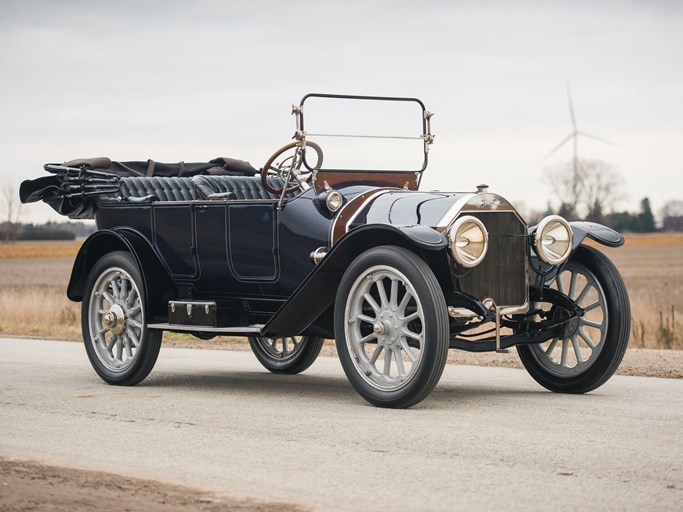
328,388
254,382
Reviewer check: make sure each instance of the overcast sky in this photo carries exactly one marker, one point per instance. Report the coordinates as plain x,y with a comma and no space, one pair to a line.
172,80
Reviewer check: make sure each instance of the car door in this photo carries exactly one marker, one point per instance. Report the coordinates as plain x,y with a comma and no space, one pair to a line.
252,240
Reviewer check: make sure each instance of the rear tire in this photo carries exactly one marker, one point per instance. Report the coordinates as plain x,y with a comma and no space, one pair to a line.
288,355
114,321
590,350
391,326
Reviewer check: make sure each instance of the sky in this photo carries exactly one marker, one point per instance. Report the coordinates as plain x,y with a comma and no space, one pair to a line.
173,80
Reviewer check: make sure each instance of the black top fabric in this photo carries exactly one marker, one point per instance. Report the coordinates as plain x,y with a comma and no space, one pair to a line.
75,187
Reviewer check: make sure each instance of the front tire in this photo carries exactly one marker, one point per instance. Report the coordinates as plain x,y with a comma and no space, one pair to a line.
287,355
590,349
119,345
391,327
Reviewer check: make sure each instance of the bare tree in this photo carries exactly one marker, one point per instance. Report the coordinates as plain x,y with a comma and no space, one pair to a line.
562,180
601,187
672,215
586,189
672,208
11,207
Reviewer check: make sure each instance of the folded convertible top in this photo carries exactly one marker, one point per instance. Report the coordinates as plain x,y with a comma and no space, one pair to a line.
72,187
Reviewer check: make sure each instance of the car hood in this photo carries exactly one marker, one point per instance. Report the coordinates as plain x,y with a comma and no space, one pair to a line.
405,207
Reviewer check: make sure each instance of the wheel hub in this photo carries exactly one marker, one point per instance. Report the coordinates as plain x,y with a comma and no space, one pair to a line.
571,327
114,319
386,327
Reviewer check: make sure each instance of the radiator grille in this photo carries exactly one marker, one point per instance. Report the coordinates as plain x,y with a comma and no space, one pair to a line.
502,276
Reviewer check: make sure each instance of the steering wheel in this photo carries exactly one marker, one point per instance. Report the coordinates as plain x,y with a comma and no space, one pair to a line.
287,164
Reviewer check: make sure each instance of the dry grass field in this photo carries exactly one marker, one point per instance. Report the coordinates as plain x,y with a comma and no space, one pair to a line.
33,278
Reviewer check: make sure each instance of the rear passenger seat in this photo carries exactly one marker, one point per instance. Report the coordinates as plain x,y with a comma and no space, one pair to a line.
198,187
159,188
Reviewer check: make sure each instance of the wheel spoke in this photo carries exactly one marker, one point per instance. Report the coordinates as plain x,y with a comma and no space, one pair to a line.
368,298
124,289
376,353
119,348
134,341
410,334
116,293
565,352
552,346
108,297
586,288
591,307
393,297
367,338
111,343
399,363
560,283
589,341
367,319
384,300
572,285
387,361
128,345
411,317
408,350
577,350
131,298
589,323
404,303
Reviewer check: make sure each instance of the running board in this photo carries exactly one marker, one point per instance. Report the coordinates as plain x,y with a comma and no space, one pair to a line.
235,331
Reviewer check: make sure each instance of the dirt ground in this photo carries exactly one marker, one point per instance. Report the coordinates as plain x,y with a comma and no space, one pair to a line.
29,486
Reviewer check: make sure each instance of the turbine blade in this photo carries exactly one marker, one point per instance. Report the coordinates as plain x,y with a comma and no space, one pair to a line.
552,151
571,108
606,141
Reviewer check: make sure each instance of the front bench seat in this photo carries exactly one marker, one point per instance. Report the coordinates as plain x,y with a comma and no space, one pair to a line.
236,187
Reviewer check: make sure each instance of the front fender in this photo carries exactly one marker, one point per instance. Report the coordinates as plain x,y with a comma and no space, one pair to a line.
317,292
580,230
597,232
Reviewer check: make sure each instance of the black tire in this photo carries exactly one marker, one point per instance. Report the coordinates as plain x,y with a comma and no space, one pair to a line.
113,319
304,351
606,324
415,333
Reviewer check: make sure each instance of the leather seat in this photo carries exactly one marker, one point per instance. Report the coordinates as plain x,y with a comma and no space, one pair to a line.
160,188
235,187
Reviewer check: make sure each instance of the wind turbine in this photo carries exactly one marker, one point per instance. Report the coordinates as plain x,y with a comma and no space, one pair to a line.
574,137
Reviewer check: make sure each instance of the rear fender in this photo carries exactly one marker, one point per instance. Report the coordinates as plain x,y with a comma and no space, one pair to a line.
155,278
317,293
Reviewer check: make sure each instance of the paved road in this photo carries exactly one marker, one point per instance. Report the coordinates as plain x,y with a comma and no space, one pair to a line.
486,439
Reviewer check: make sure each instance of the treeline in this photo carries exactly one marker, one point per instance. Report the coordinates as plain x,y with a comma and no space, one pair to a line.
642,221
47,231
588,189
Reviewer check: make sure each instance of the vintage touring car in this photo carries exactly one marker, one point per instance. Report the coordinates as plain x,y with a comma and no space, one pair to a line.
300,250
